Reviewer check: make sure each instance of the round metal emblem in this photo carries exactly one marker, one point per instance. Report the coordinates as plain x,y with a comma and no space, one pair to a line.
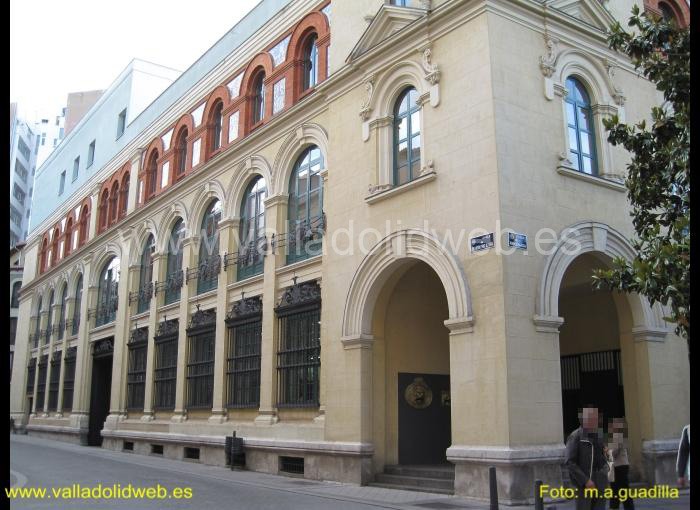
418,394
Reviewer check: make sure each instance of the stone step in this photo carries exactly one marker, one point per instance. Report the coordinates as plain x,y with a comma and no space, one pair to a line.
442,472
449,492
420,482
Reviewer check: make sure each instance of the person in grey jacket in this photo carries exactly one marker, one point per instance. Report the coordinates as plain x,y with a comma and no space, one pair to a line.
618,454
683,458
585,460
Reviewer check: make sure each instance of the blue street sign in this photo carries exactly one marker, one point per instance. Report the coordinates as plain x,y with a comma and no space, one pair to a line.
480,243
517,240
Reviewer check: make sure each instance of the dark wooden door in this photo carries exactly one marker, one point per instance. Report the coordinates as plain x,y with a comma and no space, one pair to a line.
99,397
424,418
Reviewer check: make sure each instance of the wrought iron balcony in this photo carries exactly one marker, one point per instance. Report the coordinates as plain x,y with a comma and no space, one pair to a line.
249,259
142,296
302,240
171,286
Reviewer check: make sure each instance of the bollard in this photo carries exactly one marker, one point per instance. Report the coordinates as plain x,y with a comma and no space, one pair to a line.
539,503
493,488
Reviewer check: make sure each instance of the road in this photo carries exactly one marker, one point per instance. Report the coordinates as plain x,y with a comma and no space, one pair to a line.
40,463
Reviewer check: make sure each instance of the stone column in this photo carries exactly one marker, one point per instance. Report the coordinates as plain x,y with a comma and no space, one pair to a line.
18,385
117,406
188,246
159,262
45,323
83,362
132,199
275,218
53,336
218,412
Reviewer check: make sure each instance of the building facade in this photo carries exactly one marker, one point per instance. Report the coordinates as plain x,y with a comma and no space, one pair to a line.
16,266
307,244
22,169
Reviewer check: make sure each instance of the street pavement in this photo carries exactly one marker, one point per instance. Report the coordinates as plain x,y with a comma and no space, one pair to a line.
41,463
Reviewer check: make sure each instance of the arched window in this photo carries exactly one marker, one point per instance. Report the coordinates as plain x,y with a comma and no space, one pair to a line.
107,293
306,221
252,235
146,275
152,174
181,153
310,63
124,199
44,255
62,316
259,98
68,238
14,302
49,322
407,140
174,265
76,306
54,247
209,259
103,209
217,125
113,203
667,14
83,229
579,118
37,326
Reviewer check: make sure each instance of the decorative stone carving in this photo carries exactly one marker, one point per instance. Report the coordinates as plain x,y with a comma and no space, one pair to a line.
432,73
365,108
138,335
300,294
617,94
378,188
203,318
105,346
245,307
168,328
428,168
547,62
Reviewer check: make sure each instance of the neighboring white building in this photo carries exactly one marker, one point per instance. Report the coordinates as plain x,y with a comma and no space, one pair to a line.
50,132
22,167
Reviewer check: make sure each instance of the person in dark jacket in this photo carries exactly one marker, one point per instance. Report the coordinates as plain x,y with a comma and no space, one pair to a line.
585,460
683,458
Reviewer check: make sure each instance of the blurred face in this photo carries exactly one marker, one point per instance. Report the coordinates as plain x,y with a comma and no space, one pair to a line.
590,418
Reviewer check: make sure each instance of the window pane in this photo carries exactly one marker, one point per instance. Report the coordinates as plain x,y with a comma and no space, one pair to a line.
315,181
301,207
573,144
403,129
584,119
402,155
570,114
303,176
415,122
574,160
587,165
402,175
415,148
585,145
315,204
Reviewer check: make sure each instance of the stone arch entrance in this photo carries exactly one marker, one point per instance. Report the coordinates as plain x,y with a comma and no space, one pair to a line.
603,335
407,303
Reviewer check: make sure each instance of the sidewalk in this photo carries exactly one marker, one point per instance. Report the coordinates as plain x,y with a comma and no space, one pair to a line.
330,491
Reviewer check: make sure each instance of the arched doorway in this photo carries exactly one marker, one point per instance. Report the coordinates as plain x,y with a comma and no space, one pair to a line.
409,331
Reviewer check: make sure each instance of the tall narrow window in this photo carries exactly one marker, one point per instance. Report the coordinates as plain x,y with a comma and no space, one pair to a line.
243,353
121,123
83,229
69,378
91,154
44,255
62,183
41,383
14,301
252,235
54,247
174,276
54,380
165,365
152,174
209,258
113,203
136,369
31,375
62,312
311,63
181,152
76,306
76,167
107,293
259,98
200,359
124,197
299,350
49,322
37,326
146,275
305,206
407,140
217,121
579,117
68,238
104,209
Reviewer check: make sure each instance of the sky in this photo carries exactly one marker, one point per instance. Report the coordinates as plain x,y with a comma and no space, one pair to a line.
63,46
